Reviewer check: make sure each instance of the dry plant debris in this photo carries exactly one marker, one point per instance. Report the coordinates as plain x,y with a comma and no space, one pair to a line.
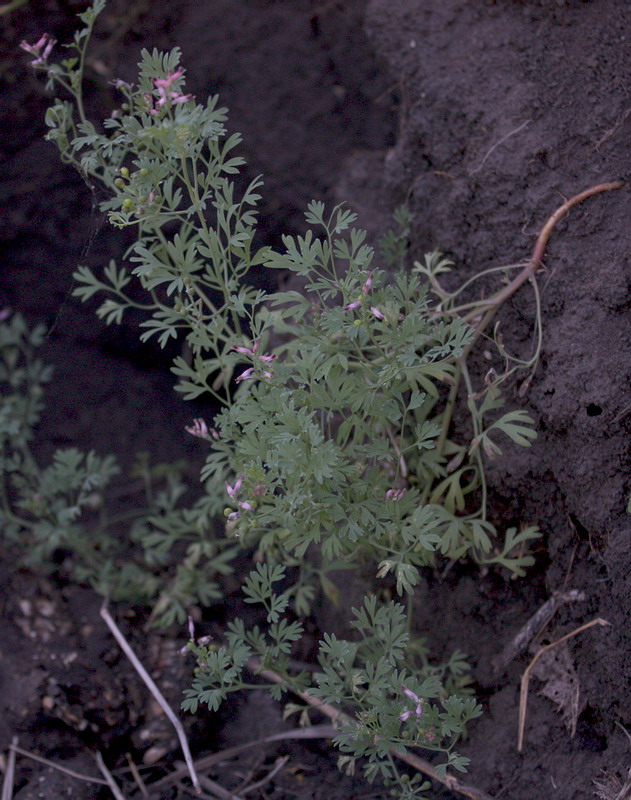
561,685
525,680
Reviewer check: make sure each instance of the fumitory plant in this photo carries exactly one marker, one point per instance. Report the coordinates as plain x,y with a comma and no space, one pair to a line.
70,507
332,448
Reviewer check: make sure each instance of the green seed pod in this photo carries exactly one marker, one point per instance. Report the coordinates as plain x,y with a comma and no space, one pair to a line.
124,172
357,323
128,204
120,183
144,173
125,106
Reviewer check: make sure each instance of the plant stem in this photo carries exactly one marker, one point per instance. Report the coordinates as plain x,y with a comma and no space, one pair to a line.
495,303
487,309
337,715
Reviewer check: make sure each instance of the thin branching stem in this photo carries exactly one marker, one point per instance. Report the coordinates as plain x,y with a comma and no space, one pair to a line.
151,685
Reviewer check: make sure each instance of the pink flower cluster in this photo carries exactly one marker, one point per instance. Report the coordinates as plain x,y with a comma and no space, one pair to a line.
201,430
202,640
41,49
357,303
417,712
167,94
248,374
395,494
232,494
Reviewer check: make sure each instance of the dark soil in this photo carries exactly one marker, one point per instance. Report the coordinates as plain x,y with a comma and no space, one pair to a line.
482,117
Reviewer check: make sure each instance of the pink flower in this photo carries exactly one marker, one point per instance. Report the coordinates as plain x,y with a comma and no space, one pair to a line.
246,375
5,313
353,306
202,640
232,490
166,93
367,285
395,494
165,83
419,705
201,430
46,42
246,506
376,312
249,373
252,351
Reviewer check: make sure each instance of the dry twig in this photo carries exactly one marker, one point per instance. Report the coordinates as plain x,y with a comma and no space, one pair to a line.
7,783
315,732
151,685
532,628
217,789
108,777
137,776
498,143
525,680
278,765
78,775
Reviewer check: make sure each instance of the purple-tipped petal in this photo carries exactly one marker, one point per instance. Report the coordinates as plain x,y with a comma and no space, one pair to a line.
375,311
410,694
246,375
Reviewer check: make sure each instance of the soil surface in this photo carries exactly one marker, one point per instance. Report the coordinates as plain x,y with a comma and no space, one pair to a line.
482,117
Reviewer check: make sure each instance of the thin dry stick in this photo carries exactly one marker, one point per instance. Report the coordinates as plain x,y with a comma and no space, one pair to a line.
78,775
525,680
335,714
316,732
278,765
108,777
137,776
7,783
536,623
498,143
217,789
151,685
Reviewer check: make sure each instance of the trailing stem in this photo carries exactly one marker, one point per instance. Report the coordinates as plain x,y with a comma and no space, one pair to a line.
484,311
